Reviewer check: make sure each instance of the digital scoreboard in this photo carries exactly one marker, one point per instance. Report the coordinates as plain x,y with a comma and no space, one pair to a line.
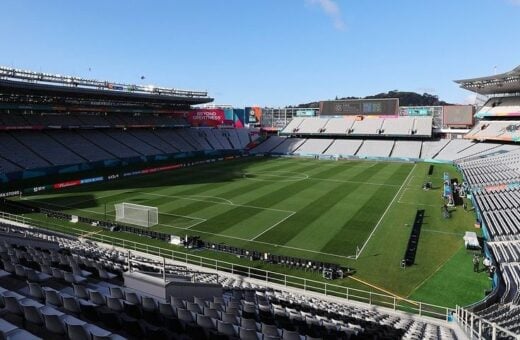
363,107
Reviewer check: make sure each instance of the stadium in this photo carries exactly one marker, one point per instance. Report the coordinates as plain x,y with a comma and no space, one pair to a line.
132,211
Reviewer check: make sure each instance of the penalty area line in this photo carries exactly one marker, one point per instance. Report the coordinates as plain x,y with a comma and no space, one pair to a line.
274,225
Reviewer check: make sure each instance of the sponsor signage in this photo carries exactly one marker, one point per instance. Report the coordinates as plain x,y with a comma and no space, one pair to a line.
67,184
206,117
73,183
10,193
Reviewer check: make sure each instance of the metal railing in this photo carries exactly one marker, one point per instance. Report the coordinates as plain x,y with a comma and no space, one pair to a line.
286,280
477,327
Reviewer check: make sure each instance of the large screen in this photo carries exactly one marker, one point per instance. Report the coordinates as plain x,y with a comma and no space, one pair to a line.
365,107
458,115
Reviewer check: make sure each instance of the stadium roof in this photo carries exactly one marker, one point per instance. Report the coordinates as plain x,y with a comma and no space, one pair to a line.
33,83
508,82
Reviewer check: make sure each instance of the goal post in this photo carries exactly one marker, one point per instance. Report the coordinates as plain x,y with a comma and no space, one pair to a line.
137,214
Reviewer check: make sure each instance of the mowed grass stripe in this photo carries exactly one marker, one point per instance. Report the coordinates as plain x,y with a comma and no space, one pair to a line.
199,207
318,233
358,227
212,179
286,190
204,190
314,209
244,185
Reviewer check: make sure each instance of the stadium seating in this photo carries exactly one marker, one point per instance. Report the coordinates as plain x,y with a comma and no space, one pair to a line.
407,149
344,147
500,106
443,150
398,127
268,145
93,302
367,127
354,126
313,147
25,150
10,121
496,130
494,181
288,146
376,148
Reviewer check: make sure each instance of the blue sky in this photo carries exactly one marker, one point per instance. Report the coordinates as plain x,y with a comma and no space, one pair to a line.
267,52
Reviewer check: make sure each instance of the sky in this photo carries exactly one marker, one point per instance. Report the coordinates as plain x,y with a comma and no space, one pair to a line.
267,52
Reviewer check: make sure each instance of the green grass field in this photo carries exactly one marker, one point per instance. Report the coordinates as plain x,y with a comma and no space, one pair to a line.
313,209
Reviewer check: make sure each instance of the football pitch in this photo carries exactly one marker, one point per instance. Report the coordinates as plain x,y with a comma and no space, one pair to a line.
314,209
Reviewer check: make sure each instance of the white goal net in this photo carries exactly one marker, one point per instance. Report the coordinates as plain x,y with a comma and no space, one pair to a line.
137,214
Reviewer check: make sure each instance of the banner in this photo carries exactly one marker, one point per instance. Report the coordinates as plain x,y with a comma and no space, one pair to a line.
254,114
206,117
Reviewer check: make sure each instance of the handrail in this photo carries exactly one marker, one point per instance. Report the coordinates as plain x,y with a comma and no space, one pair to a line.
476,327
308,285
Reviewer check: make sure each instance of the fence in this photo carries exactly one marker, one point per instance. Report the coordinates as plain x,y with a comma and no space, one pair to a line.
308,285
479,328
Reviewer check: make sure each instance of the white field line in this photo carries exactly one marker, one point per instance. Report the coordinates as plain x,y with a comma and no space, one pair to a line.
190,198
387,209
435,272
226,236
220,198
274,244
304,176
271,227
110,213
284,178
355,182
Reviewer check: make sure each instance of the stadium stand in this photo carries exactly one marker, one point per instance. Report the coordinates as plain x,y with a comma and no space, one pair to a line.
495,130
500,106
293,125
268,145
344,147
339,126
289,145
152,139
24,150
355,126
422,127
367,127
444,150
54,285
314,147
407,149
398,127
52,121
431,148
17,153
376,148
494,181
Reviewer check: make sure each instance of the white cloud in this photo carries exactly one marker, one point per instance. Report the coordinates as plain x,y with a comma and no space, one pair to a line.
332,10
